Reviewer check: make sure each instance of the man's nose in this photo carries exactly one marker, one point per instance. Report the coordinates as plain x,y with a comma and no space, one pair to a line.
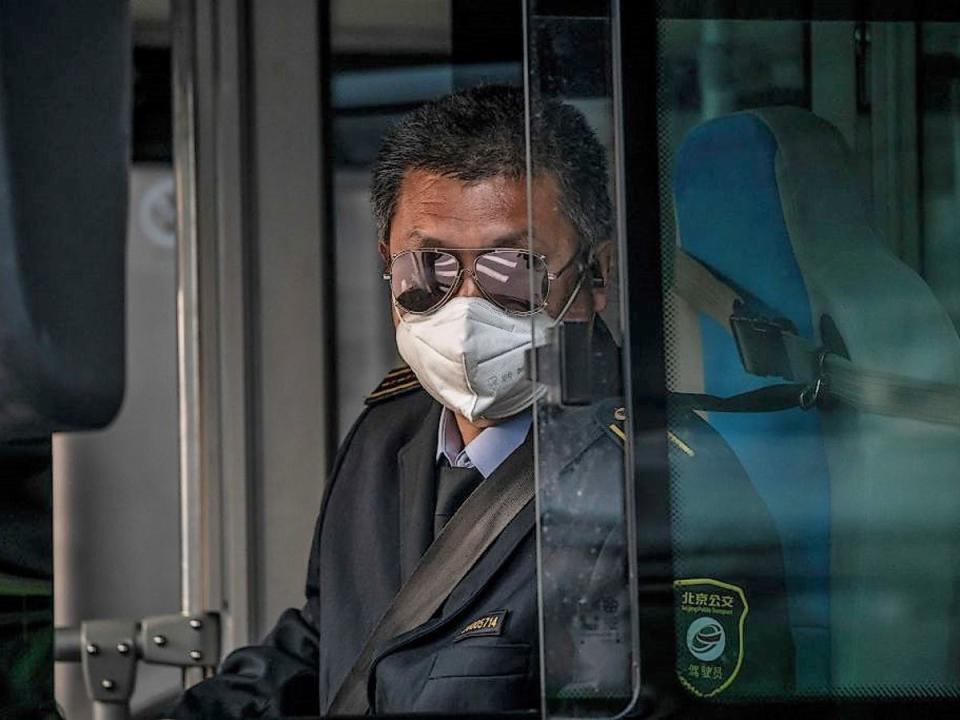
468,286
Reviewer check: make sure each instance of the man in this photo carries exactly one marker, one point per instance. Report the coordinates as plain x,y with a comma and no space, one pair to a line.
450,201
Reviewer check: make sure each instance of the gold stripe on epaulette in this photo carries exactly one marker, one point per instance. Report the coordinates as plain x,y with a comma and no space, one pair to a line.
396,382
398,371
680,444
618,431
395,389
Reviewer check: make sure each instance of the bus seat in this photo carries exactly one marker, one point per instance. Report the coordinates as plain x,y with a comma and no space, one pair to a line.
867,505
64,153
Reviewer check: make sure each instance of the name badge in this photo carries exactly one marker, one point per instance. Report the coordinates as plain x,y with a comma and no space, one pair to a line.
489,624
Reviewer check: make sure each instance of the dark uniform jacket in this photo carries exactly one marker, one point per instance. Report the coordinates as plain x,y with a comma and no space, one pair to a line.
375,522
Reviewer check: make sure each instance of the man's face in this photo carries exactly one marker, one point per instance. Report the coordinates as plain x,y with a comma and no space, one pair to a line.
441,212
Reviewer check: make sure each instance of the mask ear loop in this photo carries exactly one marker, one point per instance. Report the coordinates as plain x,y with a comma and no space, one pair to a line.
576,288
569,302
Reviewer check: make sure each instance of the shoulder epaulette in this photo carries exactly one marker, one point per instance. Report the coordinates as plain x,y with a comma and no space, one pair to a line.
612,417
397,382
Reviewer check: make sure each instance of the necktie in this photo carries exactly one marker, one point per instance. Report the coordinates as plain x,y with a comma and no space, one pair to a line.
454,484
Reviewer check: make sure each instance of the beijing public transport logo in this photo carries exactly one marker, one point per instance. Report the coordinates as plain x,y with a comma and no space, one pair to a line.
710,617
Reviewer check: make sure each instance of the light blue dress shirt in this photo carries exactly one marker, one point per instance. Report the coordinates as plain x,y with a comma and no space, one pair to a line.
488,449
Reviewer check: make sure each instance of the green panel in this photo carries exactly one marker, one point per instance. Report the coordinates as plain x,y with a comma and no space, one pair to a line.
26,581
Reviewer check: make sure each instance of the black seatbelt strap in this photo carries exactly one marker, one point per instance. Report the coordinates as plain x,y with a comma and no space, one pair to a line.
472,529
772,398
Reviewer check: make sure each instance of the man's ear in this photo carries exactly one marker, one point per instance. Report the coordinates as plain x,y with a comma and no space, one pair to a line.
600,271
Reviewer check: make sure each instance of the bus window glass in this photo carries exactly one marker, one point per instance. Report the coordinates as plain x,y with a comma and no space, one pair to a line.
587,608
806,179
808,203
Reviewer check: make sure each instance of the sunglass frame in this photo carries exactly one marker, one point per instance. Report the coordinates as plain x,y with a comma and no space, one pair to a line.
462,268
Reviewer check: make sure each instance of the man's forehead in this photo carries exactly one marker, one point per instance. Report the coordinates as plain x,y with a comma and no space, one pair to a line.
436,210
432,192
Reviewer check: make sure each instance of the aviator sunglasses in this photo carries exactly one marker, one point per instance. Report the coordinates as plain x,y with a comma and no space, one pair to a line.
424,279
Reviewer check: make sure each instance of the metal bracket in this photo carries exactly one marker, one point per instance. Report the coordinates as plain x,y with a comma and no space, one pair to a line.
108,651
109,659
772,347
181,640
761,345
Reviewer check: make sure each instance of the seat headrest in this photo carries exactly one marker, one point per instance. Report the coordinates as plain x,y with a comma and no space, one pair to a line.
64,152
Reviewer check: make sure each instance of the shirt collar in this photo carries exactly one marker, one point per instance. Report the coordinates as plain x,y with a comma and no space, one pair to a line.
486,451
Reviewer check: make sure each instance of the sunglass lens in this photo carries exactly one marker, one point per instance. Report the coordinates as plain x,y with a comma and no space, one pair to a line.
421,279
504,275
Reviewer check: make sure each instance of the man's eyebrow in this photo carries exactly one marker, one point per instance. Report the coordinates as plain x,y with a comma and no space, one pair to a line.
423,240
519,239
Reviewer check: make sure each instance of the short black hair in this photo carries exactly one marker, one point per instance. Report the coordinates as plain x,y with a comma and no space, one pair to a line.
480,133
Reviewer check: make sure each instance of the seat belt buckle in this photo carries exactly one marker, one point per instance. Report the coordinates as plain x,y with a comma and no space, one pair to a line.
762,345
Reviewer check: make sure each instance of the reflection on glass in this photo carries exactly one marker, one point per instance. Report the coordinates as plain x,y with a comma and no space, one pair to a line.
809,217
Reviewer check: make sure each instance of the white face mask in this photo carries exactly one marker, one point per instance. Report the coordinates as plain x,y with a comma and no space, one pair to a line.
471,356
